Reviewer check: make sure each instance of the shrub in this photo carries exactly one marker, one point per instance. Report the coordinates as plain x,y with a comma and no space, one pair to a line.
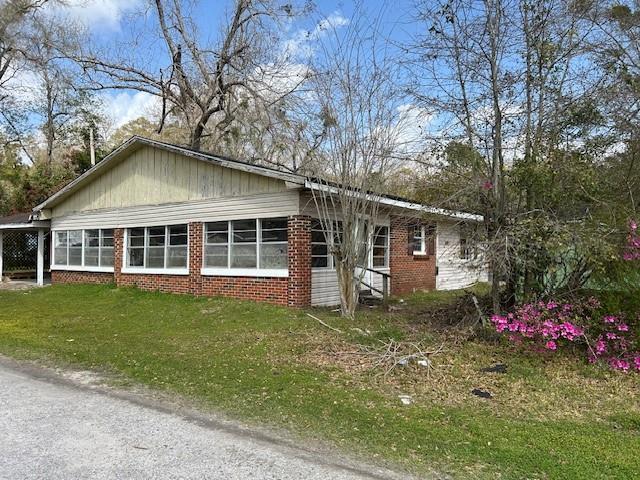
551,325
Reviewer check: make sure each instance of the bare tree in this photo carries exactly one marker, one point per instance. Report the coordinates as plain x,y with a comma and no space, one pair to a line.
505,77
203,84
15,19
356,94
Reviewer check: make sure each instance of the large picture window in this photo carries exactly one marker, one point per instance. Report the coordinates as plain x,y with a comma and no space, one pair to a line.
158,248
90,249
246,245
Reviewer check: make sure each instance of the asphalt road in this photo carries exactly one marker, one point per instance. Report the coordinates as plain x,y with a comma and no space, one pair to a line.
52,427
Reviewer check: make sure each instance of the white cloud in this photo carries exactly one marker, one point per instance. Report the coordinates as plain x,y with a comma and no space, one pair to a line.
411,125
122,107
301,43
96,14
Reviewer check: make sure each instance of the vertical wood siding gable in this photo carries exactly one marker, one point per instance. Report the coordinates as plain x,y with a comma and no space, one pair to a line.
152,176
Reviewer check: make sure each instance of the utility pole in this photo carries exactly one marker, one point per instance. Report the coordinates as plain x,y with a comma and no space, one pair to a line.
92,148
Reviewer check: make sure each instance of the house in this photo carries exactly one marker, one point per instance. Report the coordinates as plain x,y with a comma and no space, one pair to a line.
163,217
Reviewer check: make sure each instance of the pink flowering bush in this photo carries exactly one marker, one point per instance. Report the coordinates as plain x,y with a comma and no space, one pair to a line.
551,325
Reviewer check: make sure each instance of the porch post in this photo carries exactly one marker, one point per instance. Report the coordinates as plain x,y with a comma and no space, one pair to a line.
1,239
40,267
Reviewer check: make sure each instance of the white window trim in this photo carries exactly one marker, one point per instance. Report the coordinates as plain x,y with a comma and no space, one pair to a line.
153,271
78,268
244,272
423,242
387,248
240,272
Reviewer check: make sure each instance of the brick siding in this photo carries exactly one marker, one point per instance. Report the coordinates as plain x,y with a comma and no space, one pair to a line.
63,276
409,272
293,291
299,246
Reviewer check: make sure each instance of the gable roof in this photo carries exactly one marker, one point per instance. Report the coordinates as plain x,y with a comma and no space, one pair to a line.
137,142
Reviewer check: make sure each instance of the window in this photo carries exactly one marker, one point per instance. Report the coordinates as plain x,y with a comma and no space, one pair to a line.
273,243
217,245
60,245
106,248
246,244
418,242
157,248
319,247
75,248
468,247
321,255
422,240
381,247
90,249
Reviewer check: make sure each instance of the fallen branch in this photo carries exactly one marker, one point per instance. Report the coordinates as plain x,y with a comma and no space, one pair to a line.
393,354
325,324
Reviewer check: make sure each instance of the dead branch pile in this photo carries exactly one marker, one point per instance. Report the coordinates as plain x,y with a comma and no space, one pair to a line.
392,354
467,311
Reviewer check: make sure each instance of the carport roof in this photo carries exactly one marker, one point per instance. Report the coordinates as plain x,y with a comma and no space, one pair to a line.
20,221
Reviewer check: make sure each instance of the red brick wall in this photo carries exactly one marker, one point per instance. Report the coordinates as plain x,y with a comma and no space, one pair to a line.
299,246
63,276
294,290
408,272
196,232
269,290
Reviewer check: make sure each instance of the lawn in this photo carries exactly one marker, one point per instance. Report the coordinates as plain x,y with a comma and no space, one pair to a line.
548,418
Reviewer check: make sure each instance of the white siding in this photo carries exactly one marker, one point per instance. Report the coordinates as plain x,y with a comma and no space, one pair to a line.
252,206
324,287
453,271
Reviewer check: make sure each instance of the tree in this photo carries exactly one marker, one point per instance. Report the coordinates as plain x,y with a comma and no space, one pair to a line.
203,84
15,19
355,92
515,83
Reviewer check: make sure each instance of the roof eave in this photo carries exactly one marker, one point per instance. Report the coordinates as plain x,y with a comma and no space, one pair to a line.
392,202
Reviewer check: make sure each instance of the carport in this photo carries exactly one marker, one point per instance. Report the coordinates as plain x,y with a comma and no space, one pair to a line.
22,246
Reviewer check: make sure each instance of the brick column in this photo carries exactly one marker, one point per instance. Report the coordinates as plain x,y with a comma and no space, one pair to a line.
118,254
299,247
195,257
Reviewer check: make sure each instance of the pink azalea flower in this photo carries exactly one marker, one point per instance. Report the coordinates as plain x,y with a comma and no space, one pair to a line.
551,345
619,364
623,327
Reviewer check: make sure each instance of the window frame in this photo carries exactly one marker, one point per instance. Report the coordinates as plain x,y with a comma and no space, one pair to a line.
331,260
427,231
155,270
468,246
386,247
256,271
82,267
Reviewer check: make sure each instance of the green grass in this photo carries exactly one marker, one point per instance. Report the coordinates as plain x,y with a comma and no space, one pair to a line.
554,418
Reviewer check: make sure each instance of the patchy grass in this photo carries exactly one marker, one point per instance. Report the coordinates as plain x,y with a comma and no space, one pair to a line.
556,418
